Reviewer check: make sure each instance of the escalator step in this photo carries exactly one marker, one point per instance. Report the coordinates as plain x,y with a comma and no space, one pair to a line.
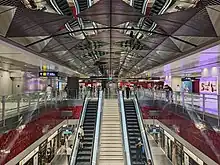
84,155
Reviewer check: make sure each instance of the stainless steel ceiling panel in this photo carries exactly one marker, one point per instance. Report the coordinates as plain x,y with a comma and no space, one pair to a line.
6,16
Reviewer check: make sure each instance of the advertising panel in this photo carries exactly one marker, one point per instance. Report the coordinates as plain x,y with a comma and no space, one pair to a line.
187,86
208,85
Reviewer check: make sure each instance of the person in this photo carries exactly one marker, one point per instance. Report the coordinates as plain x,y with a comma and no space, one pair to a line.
81,91
81,132
178,90
138,146
80,144
169,93
127,92
68,153
149,162
66,90
49,91
123,91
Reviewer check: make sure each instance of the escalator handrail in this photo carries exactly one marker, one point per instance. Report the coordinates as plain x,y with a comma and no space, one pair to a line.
124,129
76,139
123,142
143,133
95,146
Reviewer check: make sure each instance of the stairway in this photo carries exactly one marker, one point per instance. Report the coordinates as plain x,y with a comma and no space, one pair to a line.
111,149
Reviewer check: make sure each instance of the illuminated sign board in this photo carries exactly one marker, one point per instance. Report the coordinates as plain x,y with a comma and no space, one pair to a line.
48,74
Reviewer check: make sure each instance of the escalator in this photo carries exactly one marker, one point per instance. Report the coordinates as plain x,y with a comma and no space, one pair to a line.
84,156
66,10
133,130
83,5
138,5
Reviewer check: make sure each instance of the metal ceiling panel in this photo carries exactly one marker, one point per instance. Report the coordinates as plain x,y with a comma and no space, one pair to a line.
83,45
193,26
118,11
27,40
168,45
170,22
191,39
6,16
35,23
153,41
10,2
209,2
67,41
114,48
53,46
110,36
214,15
141,53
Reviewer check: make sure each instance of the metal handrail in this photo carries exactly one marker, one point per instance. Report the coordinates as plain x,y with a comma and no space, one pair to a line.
97,129
76,139
143,133
124,129
123,142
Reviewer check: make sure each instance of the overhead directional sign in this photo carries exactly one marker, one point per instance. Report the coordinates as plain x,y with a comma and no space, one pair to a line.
48,74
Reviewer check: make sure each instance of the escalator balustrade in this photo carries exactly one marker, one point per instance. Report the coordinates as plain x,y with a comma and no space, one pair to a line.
84,155
133,131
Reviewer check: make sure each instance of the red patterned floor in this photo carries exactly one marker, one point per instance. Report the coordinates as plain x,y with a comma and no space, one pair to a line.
18,140
207,141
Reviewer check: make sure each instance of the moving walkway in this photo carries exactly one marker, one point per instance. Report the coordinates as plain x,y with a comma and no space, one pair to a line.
84,156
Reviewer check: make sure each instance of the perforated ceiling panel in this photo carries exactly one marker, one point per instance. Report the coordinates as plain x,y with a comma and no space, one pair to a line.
113,37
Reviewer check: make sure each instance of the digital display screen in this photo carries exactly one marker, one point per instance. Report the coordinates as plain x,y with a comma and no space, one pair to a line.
209,85
48,74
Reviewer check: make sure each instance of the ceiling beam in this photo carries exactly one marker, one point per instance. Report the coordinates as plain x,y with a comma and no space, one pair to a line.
113,28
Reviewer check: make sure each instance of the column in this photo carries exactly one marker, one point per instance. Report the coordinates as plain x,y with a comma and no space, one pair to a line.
175,81
168,80
17,82
73,86
5,83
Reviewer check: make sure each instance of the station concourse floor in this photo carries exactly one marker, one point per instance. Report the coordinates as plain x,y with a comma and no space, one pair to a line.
60,160
158,155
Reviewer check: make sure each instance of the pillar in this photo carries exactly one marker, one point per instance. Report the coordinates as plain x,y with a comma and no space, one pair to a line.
176,81
5,83
73,86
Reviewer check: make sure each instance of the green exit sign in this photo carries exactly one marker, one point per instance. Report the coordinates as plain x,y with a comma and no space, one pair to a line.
110,78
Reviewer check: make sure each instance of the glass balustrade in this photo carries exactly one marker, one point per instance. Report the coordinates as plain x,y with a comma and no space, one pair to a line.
13,106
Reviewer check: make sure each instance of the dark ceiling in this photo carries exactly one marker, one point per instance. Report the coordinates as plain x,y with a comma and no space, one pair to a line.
110,37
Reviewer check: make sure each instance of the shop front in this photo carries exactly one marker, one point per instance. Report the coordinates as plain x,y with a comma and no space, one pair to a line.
31,158
179,153
190,158
48,149
42,153
52,146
